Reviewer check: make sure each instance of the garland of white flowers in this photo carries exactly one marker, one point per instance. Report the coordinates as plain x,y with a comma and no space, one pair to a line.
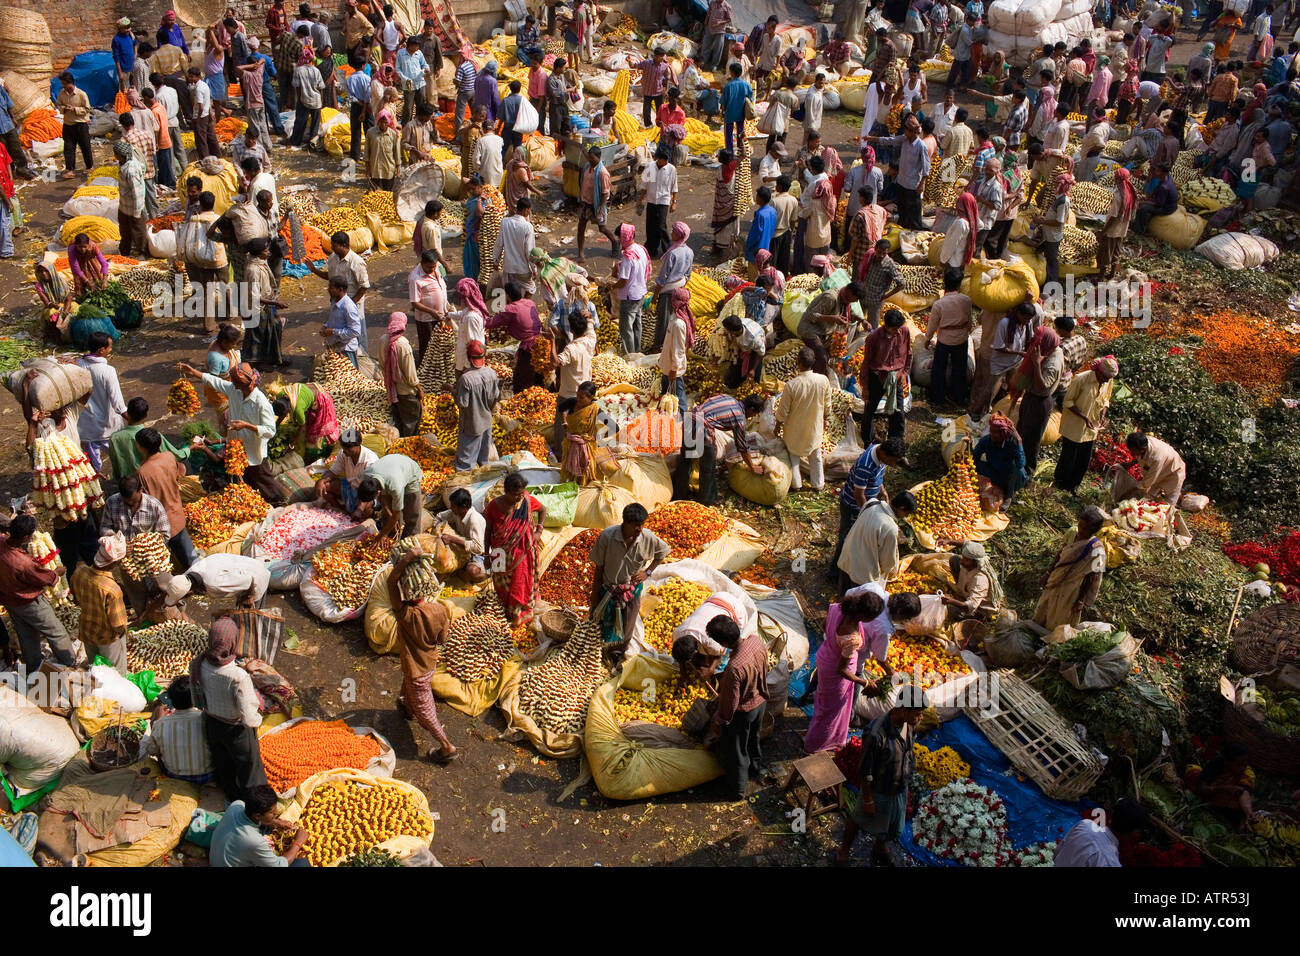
965,823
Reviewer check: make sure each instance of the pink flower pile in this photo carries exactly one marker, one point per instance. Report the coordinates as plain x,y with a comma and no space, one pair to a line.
301,529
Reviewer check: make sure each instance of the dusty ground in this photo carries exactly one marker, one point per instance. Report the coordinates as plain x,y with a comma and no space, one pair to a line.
584,829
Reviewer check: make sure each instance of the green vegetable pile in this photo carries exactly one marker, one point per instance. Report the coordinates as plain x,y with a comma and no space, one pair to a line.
108,298
1281,711
1083,647
372,857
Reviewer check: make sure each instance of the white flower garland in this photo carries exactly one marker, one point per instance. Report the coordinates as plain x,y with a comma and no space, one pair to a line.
965,823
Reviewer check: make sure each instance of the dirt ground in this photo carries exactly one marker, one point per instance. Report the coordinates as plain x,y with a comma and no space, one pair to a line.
499,804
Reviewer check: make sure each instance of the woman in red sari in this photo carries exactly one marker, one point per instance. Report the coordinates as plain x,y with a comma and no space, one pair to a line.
514,535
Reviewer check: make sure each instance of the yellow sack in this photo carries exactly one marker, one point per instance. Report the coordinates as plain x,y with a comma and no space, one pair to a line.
909,303
894,233
1051,433
235,543
401,846
999,286
600,505
99,229
1039,264
549,743
360,239
223,186
473,699
646,477
770,488
624,769
933,565
738,548
182,800
553,543
338,139
1181,229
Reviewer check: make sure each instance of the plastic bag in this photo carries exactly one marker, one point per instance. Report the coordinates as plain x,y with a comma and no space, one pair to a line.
34,746
322,606
527,120
1105,670
560,500
1238,250
110,685
1013,643
162,244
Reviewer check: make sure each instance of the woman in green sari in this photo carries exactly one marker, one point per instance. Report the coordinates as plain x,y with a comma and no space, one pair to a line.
581,458
308,426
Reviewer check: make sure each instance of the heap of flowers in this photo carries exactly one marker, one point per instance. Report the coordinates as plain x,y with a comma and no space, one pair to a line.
1282,555
1036,854
301,529
1109,451
965,823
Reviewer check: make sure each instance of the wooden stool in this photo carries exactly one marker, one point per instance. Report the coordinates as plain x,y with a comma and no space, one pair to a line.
818,774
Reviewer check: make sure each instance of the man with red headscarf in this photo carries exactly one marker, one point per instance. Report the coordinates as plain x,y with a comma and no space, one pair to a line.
1110,240
678,340
405,396
959,241
628,286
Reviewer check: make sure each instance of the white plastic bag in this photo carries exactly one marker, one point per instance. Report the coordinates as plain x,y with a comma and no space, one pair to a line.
527,120
1238,250
322,606
110,685
103,206
932,616
162,244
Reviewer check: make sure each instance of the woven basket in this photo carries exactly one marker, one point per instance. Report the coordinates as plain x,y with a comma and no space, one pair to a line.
104,755
558,624
1268,751
1268,638
27,96
1036,739
23,27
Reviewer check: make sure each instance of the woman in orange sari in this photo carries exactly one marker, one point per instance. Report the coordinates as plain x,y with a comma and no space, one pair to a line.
514,535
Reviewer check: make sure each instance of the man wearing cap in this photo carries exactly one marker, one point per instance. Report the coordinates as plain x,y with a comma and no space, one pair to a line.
885,772
244,580
658,198
338,486
769,167
251,420
391,487
102,627
123,52
477,392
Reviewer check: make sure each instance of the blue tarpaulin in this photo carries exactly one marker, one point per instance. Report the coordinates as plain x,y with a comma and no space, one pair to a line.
1031,816
95,73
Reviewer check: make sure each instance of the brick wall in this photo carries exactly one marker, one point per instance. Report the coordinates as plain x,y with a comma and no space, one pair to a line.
80,25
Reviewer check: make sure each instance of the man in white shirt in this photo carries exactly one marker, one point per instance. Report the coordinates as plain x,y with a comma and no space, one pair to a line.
658,198
338,486
176,736
515,239
487,158
1092,842
251,420
466,533
468,323
220,575
105,407
205,133
672,360
231,714
427,293
165,95
769,167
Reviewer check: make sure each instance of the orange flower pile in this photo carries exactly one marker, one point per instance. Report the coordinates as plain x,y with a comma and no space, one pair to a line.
212,519
347,569
1209,522
653,432
436,463
313,242
838,343
236,459
567,580
168,221
543,355
182,399
535,405
41,126
688,527
440,417
229,127
61,264
522,439
763,571
291,756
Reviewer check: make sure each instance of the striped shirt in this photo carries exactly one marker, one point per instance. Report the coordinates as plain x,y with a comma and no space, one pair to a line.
465,77
228,694
150,516
145,146
724,412
1013,130
868,473
177,740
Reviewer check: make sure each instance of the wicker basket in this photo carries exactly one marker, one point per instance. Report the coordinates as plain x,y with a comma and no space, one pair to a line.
1268,638
27,96
558,624
1036,739
23,27
1268,751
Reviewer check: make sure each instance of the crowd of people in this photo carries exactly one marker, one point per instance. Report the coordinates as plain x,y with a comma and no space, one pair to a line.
1028,363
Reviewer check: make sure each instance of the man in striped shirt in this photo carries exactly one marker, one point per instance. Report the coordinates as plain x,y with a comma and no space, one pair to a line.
176,736
466,76
719,412
866,480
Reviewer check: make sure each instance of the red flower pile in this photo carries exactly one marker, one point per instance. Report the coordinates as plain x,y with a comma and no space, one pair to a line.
1109,451
1134,853
1282,556
848,757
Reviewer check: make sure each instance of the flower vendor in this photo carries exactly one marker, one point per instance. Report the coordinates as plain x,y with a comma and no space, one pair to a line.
870,552
625,555
308,426
1093,842
465,532
742,701
391,488
1163,472
338,486
1073,582
839,669
22,594
102,627
885,773
230,713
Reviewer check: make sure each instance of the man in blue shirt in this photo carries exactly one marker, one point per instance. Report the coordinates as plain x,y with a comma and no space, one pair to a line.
866,480
734,96
242,838
510,113
9,135
411,69
171,33
763,227
528,42
270,100
123,52
359,120
342,330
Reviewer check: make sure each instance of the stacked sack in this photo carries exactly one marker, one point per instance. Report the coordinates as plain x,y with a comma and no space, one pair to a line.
1023,27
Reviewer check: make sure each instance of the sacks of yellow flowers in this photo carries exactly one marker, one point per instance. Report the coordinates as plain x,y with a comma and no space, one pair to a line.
999,285
1181,229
